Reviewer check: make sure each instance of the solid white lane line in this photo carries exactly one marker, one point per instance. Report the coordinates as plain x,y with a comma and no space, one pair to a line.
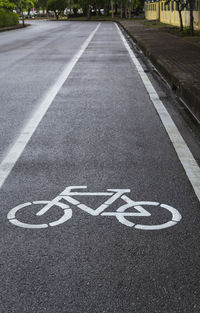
16,150
185,156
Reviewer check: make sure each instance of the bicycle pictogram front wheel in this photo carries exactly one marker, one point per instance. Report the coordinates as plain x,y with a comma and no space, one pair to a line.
139,205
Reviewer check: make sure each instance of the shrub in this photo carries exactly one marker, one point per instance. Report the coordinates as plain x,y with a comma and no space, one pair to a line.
8,18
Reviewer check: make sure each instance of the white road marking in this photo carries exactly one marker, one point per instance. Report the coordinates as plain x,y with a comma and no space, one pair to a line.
16,150
120,213
185,156
13,220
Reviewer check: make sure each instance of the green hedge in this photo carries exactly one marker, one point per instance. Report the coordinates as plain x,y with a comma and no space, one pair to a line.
8,18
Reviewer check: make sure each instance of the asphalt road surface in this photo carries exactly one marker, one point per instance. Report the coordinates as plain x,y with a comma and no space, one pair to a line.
77,109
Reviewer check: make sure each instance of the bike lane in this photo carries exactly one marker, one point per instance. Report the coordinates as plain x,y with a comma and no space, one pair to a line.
102,132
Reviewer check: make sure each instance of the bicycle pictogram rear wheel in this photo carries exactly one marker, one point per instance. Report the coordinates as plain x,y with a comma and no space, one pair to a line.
67,214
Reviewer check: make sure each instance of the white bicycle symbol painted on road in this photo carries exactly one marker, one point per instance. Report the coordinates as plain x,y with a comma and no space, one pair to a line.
114,194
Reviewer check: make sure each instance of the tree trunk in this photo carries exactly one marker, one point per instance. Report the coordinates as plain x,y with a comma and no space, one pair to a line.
191,18
126,11
129,13
181,20
121,13
115,7
22,12
88,12
56,14
97,10
112,8
104,9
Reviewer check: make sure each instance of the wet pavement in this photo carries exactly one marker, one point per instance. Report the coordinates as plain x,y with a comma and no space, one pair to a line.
101,130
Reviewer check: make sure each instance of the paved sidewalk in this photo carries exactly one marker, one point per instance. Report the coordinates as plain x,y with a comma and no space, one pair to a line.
177,60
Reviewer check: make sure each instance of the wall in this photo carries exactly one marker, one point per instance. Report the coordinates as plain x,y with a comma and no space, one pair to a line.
168,14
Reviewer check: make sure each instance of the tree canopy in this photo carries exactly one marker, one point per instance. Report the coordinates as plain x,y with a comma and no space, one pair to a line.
57,6
87,7
6,4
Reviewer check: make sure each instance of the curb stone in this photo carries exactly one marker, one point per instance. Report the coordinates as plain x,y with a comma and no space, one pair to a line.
184,88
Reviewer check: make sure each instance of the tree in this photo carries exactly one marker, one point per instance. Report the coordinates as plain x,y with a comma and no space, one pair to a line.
191,4
6,4
129,6
94,7
57,6
28,5
23,5
41,4
180,4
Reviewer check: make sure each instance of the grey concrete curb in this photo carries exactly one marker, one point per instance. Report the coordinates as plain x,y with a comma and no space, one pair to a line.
19,26
185,90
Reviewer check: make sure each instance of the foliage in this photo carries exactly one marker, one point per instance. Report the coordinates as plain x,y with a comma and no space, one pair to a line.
16,4
40,4
6,4
57,6
105,7
87,7
26,4
8,18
